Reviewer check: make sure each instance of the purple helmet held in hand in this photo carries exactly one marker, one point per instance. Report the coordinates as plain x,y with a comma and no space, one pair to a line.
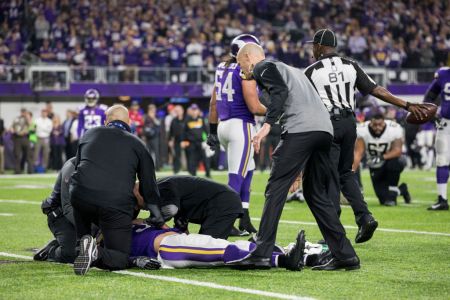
239,41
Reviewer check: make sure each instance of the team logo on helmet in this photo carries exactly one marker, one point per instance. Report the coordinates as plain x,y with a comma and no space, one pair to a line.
91,97
239,42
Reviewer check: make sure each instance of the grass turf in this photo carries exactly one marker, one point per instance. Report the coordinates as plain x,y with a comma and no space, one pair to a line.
396,265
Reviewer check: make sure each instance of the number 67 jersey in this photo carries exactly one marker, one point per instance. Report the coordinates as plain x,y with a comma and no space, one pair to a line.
379,145
229,96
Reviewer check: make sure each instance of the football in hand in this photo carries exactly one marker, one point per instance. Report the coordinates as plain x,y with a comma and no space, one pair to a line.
429,111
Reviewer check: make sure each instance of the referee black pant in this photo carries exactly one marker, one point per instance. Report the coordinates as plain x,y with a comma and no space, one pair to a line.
344,179
308,152
385,179
115,226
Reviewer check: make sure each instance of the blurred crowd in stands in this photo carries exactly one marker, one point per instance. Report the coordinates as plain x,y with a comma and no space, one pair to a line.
38,143
197,34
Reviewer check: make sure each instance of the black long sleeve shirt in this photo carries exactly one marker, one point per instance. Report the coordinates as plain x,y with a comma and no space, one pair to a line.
108,160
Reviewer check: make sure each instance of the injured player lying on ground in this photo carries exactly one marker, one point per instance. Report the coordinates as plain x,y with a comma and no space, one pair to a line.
173,249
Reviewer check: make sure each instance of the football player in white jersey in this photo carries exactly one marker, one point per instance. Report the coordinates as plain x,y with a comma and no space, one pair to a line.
382,141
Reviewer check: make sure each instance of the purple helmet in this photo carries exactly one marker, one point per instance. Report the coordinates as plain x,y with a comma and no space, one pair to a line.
91,97
239,41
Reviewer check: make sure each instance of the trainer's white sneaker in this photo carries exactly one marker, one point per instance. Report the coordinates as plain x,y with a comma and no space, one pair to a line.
88,254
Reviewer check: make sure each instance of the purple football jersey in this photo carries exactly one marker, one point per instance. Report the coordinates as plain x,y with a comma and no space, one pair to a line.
441,85
90,117
143,238
229,95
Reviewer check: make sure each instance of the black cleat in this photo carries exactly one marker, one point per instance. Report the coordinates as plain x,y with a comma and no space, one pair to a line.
237,232
88,254
294,257
441,204
405,193
366,230
245,224
42,254
333,264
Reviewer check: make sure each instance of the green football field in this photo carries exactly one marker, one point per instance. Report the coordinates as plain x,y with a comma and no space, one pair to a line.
408,257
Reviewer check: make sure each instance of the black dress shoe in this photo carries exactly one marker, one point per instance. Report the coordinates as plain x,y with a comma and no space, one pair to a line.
252,263
366,230
334,264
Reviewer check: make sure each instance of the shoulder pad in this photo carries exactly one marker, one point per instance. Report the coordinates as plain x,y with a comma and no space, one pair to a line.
103,106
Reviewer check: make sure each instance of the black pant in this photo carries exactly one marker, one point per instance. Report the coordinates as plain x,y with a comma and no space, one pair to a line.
308,152
385,177
56,157
64,233
116,229
176,157
194,155
220,215
344,178
22,152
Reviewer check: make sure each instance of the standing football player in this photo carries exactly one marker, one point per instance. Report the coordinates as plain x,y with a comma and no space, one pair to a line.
235,103
441,86
382,140
92,114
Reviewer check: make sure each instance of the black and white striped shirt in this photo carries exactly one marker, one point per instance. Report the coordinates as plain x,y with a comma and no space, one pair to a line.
335,78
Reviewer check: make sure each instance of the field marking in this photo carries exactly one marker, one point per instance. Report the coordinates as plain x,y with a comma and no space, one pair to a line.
19,201
191,282
6,215
355,227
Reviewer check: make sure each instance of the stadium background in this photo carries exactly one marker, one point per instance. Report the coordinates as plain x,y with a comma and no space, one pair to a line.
400,43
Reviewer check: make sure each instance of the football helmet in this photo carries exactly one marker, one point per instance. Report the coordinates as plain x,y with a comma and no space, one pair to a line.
91,97
239,41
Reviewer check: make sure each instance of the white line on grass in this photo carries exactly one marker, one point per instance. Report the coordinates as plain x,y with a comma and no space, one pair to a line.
19,201
355,227
6,215
192,282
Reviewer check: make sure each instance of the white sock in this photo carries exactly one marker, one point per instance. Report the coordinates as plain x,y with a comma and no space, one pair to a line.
442,190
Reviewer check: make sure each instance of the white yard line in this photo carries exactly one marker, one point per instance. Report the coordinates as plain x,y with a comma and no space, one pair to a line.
191,282
355,227
19,201
6,215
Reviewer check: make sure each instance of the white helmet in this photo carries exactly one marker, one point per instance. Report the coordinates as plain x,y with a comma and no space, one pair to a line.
91,97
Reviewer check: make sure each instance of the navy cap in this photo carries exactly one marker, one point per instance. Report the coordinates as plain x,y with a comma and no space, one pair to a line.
324,37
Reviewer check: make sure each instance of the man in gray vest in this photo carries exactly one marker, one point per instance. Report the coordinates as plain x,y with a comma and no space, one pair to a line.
305,146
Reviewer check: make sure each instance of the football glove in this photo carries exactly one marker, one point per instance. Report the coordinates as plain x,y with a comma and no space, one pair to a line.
376,161
212,141
146,263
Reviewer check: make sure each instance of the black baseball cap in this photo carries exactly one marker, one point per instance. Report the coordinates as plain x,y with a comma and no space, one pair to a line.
324,37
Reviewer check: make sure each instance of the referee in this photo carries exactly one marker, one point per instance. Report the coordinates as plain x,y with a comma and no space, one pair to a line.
335,79
304,146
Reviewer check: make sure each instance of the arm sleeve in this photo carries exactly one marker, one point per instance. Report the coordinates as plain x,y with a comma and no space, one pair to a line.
433,90
268,76
364,83
66,173
146,175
